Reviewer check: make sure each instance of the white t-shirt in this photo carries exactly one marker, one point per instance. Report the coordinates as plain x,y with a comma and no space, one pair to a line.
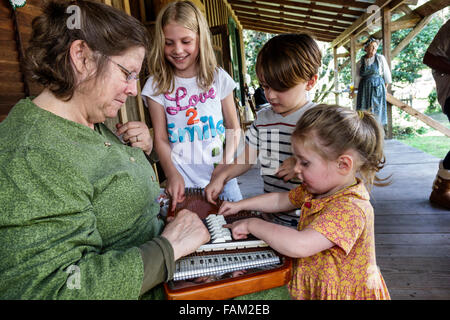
195,124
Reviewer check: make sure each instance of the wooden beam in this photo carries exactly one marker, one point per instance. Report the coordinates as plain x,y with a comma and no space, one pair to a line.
307,21
21,52
412,19
417,114
248,6
140,103
271,24
431,7
422,24
281,29
364,18
275,18
301,8
387,35
348,3
387,54
233,14
397,49
336,72
363,29
353,63
142,11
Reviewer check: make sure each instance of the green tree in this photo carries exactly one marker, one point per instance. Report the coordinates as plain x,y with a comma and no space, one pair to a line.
408,62
253,42
406,65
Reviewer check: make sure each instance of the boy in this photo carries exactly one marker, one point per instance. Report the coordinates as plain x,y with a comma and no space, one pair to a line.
287,68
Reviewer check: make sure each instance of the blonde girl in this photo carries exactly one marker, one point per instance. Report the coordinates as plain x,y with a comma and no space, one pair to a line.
337,151
190,101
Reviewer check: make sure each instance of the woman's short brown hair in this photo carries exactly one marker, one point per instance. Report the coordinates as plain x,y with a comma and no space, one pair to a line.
288,59
106,30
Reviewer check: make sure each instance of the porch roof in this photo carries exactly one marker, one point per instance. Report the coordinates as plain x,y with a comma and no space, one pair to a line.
332,21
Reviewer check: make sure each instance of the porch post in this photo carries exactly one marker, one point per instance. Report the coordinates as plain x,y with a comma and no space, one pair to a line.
387,55
336,78
353,64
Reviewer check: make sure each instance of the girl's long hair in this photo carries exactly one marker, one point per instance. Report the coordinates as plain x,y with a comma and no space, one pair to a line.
186,14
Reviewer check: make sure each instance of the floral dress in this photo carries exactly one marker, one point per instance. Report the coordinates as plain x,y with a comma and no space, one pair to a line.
348,270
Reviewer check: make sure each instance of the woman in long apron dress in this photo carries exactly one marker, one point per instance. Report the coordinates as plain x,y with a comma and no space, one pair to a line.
373,76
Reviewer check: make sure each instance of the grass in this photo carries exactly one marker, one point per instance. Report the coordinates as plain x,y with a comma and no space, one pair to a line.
423,137
437,146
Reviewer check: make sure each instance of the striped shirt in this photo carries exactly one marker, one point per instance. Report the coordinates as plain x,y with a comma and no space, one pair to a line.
270,134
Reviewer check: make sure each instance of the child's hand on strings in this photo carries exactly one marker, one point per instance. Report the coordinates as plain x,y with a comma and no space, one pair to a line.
214,189
239,228
286,169
175,189
229,208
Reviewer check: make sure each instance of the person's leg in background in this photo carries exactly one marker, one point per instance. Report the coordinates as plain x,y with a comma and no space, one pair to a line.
441,185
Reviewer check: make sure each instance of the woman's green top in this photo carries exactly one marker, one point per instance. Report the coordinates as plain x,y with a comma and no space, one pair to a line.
79,217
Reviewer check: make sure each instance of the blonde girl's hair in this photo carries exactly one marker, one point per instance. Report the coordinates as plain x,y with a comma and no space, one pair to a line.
338,129
186,14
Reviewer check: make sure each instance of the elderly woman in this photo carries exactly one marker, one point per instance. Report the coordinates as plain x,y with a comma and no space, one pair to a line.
372,77
79,218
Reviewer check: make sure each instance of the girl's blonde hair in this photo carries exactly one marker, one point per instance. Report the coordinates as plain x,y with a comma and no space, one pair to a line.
186,14
338,129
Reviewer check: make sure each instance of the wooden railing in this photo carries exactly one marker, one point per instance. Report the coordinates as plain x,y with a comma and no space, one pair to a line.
422,117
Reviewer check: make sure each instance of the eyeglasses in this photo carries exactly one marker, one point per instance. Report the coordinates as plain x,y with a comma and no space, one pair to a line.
130,75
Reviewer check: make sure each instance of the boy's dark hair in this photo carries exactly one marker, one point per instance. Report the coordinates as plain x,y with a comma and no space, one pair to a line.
288,59
107,31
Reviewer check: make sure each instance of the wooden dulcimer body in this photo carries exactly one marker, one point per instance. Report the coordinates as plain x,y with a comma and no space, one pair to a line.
224,268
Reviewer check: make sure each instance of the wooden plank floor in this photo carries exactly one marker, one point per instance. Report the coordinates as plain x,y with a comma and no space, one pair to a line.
412,236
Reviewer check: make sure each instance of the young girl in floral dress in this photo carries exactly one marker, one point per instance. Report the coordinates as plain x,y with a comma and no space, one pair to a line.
338,151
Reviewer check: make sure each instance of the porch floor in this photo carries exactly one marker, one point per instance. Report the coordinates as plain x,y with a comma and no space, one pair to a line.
412,236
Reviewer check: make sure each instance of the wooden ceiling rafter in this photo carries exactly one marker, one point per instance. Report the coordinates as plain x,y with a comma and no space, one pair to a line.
326,19
289,19
302,12
333,21
281,29
292,6
251,23
288,15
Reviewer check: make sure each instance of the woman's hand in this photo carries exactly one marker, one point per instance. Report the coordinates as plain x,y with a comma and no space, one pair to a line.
229,208
137,134
186,233
175,189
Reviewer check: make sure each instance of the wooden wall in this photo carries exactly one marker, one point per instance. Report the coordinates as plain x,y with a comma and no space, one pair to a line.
14,85
13,40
